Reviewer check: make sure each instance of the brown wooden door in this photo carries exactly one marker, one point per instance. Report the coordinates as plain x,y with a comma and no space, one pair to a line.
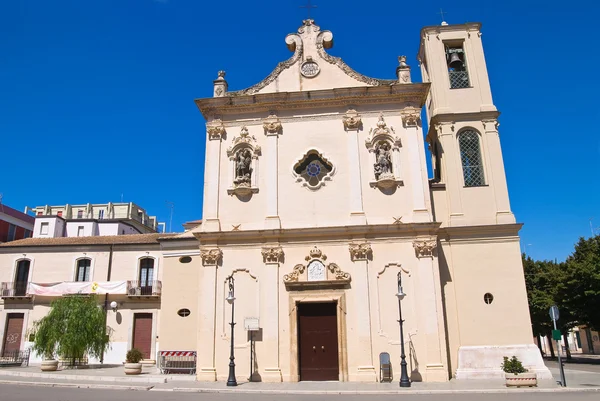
142,333
13,334
318,341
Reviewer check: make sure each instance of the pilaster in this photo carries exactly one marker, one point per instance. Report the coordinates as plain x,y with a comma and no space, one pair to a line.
430,306
216,133
205,362
352,124
496,174
273,128
411,118
272,256
451,171
360,253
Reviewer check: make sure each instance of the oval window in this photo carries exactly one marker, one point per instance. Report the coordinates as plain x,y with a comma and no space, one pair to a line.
185,259
183,312
488,298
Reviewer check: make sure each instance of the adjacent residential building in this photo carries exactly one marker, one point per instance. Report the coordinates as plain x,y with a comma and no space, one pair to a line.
122,268
92,220
14,225
319,222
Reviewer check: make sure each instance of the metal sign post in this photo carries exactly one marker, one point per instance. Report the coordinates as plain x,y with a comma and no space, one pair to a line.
251,325
554,315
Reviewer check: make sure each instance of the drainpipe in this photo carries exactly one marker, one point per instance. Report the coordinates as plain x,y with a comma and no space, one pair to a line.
110,258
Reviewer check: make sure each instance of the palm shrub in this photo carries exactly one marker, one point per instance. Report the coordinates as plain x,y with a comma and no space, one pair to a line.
512,365
74,327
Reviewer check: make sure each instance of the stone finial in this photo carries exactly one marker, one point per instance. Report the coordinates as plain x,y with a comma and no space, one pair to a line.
220,85
403,71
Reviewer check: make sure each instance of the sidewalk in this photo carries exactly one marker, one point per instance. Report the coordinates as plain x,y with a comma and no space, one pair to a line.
152,380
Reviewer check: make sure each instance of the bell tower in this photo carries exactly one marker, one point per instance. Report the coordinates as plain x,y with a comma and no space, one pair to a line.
469,185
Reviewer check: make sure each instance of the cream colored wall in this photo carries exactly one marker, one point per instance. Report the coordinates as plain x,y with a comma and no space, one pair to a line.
471,268
180,290
330,204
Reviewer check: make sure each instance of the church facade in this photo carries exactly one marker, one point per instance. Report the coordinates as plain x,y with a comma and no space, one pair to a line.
318,210
318,204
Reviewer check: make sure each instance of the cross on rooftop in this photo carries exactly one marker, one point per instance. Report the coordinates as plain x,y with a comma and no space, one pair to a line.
442,14
308,6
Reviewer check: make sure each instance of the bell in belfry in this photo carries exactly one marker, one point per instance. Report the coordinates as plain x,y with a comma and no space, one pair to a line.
455,61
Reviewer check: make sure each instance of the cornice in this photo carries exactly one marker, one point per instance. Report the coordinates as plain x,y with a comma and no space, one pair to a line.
311,234
491,232
413,94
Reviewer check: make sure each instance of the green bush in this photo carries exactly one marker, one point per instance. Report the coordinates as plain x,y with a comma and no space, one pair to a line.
513,365
134,355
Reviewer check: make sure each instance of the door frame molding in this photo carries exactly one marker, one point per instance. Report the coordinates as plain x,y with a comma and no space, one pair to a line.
319,296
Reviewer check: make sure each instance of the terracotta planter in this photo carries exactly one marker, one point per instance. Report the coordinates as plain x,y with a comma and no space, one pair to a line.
133,368
49,365
521,380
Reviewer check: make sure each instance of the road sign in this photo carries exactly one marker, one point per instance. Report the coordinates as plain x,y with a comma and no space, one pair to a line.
556,335
554,312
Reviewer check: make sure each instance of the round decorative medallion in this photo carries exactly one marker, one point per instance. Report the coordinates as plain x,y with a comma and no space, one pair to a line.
310,68
313,169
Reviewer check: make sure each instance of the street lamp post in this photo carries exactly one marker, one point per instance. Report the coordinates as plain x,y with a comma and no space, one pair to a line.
404,380
230,299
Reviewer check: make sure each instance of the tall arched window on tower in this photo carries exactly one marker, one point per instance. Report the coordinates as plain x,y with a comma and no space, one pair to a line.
83,270
470,157
146,275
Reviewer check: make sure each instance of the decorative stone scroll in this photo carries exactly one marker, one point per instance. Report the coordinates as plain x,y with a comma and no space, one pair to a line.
360,251
384,154
411,117
352,120
425,248
315,274
215,129
211,257
272,125
243,164
272,255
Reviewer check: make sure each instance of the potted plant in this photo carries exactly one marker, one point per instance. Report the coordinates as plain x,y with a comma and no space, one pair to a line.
132,362
516,375
74,327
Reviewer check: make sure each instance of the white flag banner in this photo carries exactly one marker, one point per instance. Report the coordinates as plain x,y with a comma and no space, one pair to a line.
78,287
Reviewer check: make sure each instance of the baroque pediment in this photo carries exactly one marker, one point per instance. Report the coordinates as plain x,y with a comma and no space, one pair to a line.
316,273
310,67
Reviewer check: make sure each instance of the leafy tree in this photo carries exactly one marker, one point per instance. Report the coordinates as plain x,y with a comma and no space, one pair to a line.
580,287
539,284
73,328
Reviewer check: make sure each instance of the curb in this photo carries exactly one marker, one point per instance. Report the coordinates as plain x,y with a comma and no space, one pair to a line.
381,392
73,385
112,379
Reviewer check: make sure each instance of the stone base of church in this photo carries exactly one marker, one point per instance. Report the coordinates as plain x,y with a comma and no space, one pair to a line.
483,362
206,375
365,374
271,375
436,373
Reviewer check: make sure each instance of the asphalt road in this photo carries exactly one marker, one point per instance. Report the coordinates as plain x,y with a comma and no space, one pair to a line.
25,393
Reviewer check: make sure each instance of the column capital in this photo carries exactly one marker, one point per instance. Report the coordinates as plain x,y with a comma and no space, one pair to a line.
425,248
445,128
272,255
215,129
490,125
352,120
411,117
211,256
272,125
360,251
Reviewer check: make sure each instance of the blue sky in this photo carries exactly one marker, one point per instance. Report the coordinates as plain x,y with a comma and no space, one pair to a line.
97,95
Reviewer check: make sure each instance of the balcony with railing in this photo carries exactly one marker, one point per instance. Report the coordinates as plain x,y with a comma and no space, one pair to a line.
141,288
14,289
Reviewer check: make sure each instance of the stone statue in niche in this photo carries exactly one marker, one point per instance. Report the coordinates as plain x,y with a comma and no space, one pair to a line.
383,161
243,168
